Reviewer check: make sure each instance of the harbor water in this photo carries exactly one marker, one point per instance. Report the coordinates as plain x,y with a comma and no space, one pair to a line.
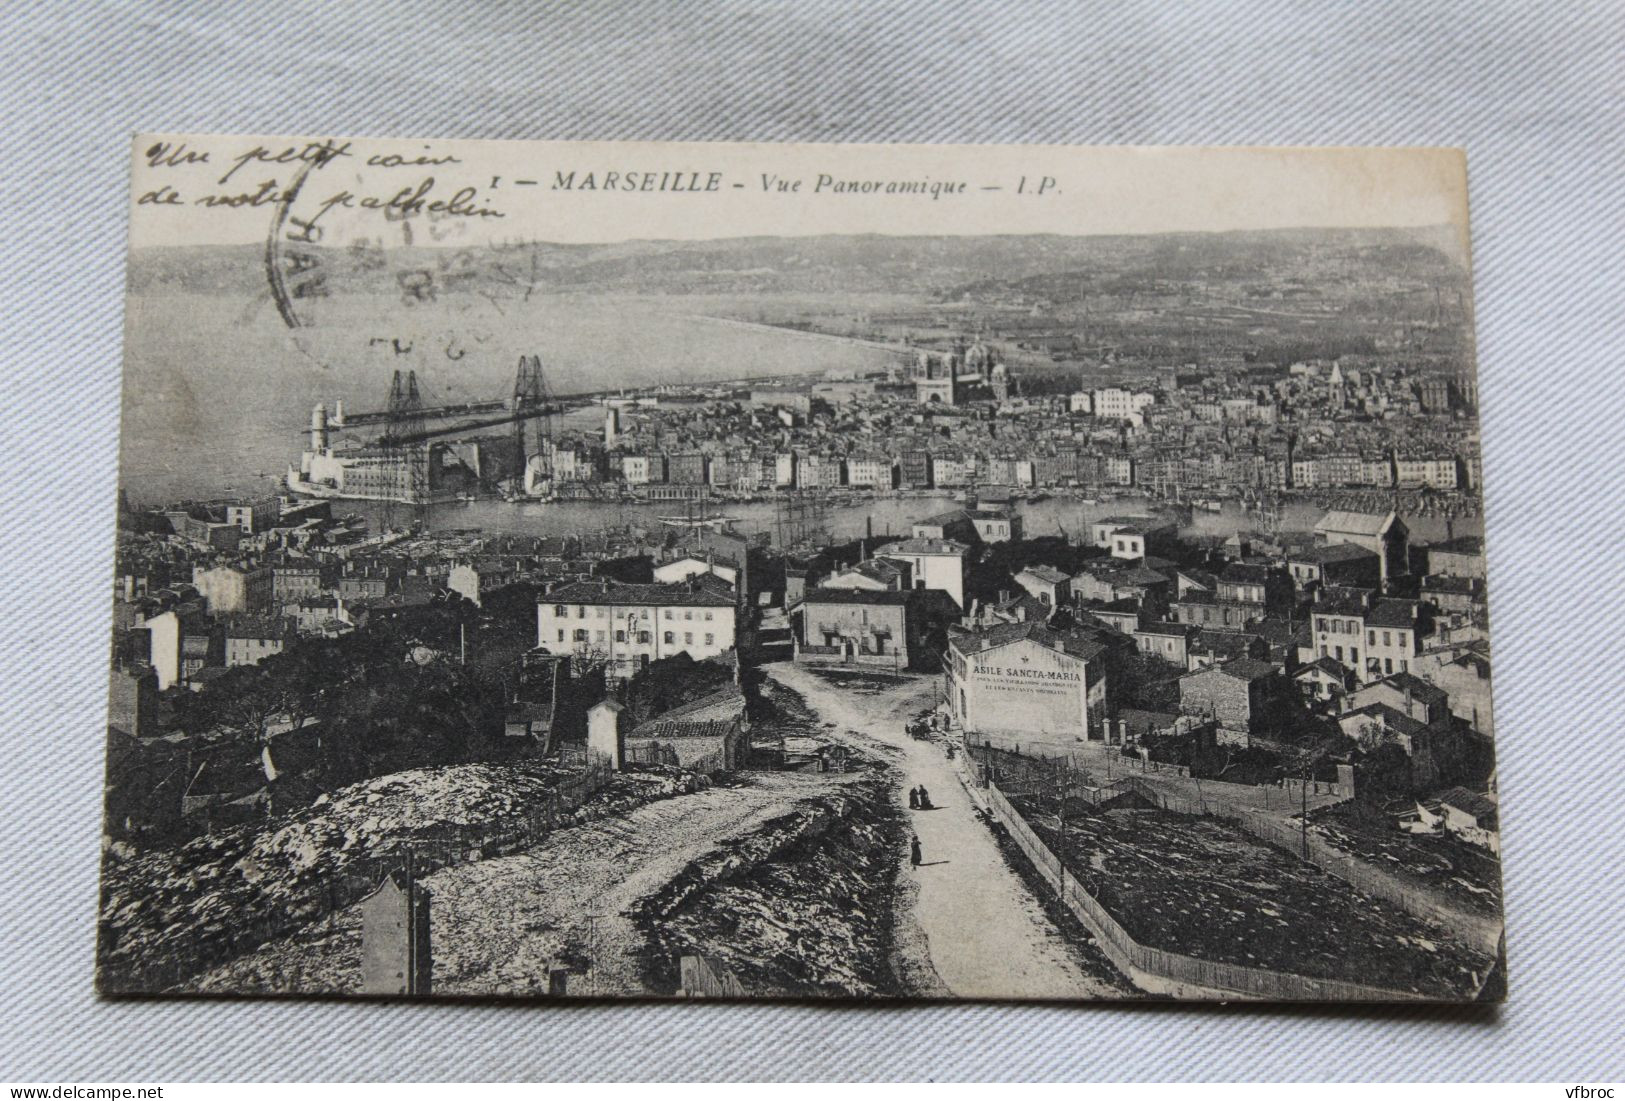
891,515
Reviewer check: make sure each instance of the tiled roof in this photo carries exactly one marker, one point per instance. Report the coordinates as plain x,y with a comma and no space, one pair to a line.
1276,631
257,627
1076,643
924,546
1176,630
1462,544
1391,717
1331,552
1243,669
1238,571
1047,574
621,594
1328,665
1392,613
1340,604
873,568
1415,685
724,702
855,596
1471,802
666,728
1440,583
1354,523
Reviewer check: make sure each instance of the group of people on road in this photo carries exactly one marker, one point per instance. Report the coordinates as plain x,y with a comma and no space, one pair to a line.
918,799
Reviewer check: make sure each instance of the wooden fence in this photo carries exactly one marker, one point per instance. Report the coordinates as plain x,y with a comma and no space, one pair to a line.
1160,971
701,978
1054,754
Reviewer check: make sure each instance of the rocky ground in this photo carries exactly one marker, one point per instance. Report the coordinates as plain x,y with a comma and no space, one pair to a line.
498,926
1459,872
168,917
802,907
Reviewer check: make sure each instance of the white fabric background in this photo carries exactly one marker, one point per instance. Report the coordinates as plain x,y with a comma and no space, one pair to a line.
1533,91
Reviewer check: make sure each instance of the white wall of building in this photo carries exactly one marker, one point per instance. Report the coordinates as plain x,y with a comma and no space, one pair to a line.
631,636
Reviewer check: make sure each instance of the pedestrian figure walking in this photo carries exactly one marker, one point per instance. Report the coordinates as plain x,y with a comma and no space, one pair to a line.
913,798
914,852
925,798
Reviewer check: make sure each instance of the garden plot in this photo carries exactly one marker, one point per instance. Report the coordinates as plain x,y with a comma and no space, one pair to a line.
1436,862
1203,888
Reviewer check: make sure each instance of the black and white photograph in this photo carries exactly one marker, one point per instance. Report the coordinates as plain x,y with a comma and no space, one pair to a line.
614,570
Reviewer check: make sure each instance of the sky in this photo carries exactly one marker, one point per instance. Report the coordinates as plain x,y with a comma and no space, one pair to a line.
198,189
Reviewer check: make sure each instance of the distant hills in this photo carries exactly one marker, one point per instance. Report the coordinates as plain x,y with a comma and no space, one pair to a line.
925,266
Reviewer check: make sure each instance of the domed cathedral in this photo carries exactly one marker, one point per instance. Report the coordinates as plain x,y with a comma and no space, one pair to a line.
971,371
977,360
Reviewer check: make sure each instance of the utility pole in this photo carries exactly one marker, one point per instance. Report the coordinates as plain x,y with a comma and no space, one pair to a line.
1311,757
1060,817
1303,817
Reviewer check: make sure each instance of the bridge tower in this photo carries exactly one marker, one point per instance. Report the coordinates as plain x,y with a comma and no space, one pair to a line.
405,457
532,425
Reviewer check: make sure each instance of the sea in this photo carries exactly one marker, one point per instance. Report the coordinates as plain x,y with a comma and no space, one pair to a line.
217,391
1064,516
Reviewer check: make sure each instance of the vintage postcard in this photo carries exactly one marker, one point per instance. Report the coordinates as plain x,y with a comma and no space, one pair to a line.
762,571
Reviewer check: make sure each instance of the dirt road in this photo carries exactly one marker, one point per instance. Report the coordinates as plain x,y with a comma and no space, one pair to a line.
988,936
566,900
969,926
499,925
